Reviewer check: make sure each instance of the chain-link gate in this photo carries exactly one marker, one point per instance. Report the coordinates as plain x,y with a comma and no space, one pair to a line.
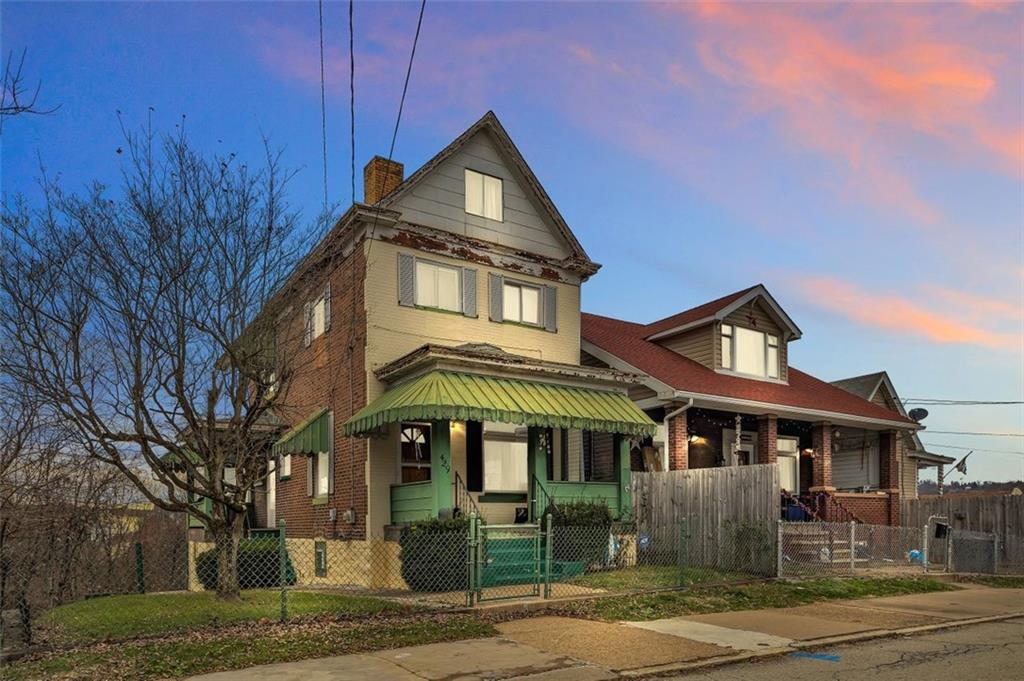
506,561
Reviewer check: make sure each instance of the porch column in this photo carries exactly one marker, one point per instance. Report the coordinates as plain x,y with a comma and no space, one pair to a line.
767,438
821,469
441,465
889,451
536,468
624,473
678,443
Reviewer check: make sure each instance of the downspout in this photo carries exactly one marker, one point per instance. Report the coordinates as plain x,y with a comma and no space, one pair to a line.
665,421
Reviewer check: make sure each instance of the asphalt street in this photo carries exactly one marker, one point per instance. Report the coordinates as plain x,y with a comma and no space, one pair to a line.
991,652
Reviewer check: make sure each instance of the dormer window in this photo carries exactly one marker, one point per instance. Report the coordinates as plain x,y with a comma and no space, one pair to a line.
750,352
484,195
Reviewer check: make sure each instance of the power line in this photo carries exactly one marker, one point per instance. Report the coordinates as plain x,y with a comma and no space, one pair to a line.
973,432
408,72
991,451
323,100
352,89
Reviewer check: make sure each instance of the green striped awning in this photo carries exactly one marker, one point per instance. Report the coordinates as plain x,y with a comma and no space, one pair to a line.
309,437
454,396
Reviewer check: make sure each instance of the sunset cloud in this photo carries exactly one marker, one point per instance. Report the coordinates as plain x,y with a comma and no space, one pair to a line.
859,83
936,320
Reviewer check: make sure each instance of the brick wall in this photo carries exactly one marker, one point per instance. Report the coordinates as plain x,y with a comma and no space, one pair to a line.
767,439
890,451
678,443
321,379
873,509
821,442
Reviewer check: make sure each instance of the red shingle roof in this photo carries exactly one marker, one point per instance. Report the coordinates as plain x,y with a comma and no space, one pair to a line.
626,341
695,313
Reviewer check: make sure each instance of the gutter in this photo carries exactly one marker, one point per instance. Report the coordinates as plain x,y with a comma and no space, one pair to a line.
673,414
824,415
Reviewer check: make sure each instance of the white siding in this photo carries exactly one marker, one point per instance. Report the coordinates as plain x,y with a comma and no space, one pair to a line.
439,201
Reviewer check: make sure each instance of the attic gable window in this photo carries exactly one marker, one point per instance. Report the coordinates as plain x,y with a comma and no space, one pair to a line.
750,352
484,195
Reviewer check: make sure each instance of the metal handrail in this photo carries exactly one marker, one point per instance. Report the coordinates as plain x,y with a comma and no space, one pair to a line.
541,493
825,499
463,499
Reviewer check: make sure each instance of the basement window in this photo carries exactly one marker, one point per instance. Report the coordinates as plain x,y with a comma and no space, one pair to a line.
484,195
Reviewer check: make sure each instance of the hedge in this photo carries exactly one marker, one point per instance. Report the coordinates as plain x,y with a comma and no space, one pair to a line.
581,530
258,566
434,554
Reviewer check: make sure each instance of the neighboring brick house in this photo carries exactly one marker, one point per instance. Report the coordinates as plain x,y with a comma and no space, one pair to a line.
433,336
878,388
719,381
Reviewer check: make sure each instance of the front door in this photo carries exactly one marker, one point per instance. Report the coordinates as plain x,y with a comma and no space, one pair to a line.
789,472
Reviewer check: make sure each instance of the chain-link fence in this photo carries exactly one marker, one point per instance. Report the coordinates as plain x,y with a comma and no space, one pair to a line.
148,579
819,549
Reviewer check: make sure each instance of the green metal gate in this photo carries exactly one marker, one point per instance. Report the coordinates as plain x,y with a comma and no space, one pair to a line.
505,561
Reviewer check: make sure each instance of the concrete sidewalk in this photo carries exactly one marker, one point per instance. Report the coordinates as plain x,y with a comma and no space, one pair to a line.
554,648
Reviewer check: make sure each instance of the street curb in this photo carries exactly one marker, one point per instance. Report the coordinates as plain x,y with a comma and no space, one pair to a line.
723,660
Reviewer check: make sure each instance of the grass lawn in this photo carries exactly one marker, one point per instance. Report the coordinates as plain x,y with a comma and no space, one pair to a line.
748,597
996,581
236,649
653,577
118,617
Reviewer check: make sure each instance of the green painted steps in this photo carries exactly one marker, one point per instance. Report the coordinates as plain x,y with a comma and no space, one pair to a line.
514,561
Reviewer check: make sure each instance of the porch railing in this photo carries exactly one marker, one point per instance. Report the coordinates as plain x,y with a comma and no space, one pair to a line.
464,502
540,500
833,510
789,499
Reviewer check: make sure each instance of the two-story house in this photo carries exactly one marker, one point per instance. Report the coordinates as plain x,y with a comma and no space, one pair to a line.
435,340
718,380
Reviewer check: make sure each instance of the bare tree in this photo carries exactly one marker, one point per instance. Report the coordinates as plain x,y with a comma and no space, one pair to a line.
136,318
15,96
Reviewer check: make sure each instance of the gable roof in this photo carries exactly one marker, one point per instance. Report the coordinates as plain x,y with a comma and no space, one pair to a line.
719,309
630,343
862,386
489,123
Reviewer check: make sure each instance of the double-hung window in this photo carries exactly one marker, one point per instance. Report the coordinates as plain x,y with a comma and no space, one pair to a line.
318,316
750,352
484,195
284,468
521,303
438,286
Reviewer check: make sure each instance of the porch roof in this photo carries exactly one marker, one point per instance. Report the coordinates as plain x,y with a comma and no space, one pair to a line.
310,436
441,395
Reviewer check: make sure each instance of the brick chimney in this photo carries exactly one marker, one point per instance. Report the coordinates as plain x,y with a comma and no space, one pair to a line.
380,177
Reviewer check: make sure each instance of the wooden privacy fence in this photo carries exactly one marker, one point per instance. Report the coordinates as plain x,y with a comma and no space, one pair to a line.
1003,515
728,515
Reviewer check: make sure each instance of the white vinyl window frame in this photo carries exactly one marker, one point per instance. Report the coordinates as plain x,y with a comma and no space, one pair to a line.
765,360
522,303
484,195
318,317
438,286
284,469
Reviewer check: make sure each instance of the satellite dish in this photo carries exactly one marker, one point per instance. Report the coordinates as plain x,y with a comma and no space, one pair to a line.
918,414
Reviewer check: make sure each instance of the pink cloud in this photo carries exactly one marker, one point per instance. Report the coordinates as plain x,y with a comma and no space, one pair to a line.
936,321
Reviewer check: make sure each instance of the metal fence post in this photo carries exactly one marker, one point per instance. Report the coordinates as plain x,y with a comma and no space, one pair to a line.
140,573
924,547
778,550
853,546
282,569
548,542
471,559
995,553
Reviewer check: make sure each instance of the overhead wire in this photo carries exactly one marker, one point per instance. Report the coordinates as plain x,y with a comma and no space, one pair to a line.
323,101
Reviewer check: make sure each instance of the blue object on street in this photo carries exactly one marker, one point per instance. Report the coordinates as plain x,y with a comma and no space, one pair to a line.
816,656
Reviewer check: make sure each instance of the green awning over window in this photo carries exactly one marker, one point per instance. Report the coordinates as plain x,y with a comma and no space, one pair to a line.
454,396
309,437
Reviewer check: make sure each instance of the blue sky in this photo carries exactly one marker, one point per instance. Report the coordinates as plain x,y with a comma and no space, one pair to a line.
864,162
